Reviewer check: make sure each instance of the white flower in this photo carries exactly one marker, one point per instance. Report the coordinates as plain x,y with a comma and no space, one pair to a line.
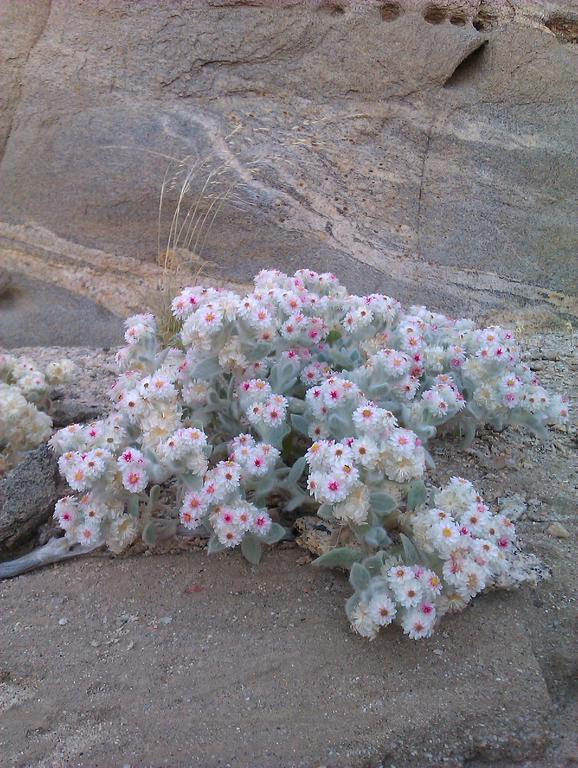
134,478
355,508
254,391
261,523
357,319
318,430
472,579
457,497
60,371
131,456
382,609
229,535
194,506
445,535
32,385
366,418
399,574
195,393
419,622
362,622
260,460
333,488
122,532
157,387
274,411
403,465
66,512
139,327
391,362
71,466
88,535
409,593
228,475
231,355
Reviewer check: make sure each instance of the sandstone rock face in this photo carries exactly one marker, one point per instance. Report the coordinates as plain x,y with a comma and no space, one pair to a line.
422,149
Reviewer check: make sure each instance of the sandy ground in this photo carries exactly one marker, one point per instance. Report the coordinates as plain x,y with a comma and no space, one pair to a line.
178,659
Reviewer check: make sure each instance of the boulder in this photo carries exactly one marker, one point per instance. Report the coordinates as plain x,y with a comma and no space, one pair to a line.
27,497
71,410
256,667
38,313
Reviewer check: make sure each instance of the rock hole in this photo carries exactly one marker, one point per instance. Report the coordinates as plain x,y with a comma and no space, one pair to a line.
467,66
458,19
333,9
390,11
435,14
485,19
564,27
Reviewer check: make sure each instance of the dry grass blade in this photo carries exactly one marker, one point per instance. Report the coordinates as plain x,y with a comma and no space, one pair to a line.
203,185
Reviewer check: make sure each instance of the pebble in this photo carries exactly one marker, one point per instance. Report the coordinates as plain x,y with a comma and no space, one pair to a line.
512,506
166,620
558,531
63,622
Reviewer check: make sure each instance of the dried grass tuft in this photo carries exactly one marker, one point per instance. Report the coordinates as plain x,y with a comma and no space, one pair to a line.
194,191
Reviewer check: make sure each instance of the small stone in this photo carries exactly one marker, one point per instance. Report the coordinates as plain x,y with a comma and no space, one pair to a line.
70,411
124,618
130,646
512,506
63,622
558,531
167,620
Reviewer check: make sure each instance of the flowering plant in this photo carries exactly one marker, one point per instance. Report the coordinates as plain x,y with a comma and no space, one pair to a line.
24,398
305,394
447,554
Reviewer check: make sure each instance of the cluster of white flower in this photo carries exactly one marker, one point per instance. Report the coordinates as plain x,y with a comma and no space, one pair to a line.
465,549
221,497
23,396
270,412
301,390
109,476
343,474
